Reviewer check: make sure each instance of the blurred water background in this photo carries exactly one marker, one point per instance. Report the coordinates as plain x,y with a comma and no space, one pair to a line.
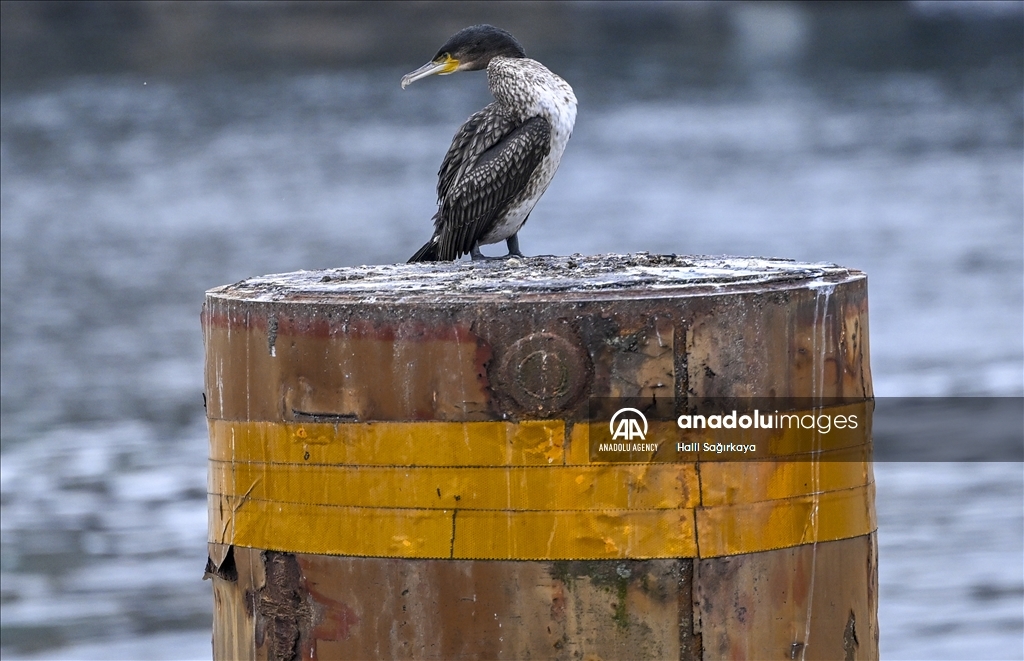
149,152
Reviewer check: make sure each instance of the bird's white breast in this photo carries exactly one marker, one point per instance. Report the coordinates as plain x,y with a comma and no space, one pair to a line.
527,88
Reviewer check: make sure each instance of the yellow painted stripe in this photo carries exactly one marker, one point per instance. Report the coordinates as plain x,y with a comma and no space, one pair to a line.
731,483
303,528
492,443
529,443
775,524
518,535
497,490
469,534
575,535
608,486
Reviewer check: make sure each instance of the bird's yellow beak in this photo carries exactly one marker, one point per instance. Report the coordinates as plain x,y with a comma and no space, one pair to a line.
442,67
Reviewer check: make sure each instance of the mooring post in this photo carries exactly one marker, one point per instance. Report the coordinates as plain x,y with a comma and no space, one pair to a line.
404,462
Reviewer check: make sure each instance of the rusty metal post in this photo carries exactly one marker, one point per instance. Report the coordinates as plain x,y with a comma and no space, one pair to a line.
400,468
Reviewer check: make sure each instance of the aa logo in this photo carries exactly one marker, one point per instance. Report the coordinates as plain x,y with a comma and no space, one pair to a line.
628,427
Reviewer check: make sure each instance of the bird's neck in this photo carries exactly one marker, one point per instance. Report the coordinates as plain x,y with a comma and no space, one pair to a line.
526,88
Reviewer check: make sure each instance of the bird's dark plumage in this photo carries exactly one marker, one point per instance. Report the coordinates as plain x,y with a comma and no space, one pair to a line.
471,203
502,159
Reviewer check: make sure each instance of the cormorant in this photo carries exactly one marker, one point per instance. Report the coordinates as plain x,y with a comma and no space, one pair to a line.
503,158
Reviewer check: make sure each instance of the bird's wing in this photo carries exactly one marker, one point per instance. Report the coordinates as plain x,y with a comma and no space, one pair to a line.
475,201
482,130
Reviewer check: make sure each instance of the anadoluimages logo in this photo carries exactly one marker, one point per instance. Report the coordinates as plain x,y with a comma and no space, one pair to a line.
628,428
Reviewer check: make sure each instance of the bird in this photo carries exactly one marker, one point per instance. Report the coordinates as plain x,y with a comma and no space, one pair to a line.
503,158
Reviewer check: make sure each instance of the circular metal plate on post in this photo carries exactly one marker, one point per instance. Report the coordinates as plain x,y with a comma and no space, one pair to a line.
544,373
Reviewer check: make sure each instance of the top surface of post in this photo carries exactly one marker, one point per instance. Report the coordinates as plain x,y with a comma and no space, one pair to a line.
537,278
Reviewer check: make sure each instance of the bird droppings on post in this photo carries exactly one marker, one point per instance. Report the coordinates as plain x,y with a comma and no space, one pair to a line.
574,274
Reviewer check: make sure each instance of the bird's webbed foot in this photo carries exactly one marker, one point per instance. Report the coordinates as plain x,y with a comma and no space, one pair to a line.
477,256
513,251
513,246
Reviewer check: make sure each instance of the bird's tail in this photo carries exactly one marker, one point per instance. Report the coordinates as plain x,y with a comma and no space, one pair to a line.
428,253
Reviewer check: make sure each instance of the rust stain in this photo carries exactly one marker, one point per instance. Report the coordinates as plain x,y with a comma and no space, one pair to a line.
558,602
800,580
335,619
331,320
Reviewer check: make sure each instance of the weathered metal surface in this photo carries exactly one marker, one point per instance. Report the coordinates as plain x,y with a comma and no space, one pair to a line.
753,606
815,601
456,342
307,358
368,608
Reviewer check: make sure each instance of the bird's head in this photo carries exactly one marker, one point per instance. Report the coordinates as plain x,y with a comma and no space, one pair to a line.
468,49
